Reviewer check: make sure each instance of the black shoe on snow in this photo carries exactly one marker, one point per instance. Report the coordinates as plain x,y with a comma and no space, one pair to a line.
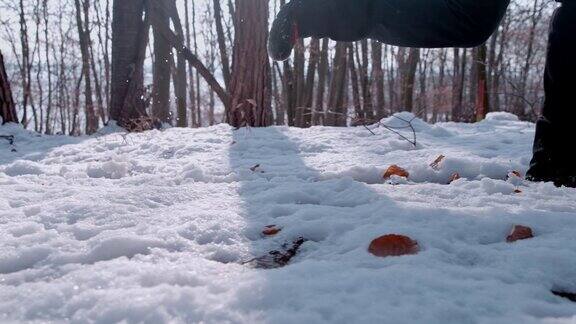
545,172
283,34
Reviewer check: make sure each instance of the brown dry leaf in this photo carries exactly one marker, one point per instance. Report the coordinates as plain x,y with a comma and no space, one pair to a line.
520,232
515,174
454,177
517,191
271,230
395,170
436,164
393,245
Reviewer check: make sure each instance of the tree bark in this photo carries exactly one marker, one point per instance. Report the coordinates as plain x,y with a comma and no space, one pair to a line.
161,68
354,82
409,78
250,82
222,43
180,83
83,34
319,114
7,106
482,100
335,116
309,82
192,92
129,38
378,77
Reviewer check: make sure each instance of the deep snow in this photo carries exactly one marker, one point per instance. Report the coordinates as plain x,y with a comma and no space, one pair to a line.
154,227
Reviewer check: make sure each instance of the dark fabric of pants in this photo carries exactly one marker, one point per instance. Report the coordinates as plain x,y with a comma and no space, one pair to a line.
409,23
553,153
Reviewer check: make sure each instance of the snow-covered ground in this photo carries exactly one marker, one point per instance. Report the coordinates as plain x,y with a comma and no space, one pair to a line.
154,227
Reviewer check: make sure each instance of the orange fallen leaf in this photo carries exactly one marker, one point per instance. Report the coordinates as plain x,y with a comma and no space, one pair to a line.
454,177
393,245
515,174
395,170
271,230
436,164
520,232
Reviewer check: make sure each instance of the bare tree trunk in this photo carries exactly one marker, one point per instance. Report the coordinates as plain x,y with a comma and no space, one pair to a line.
299,63
335,116
129,39
180,83
83,34
318,117
7,106
48,127
280,114
439,94
192,91
225,62
39,116
392,74
480,62
250,83
354,82
409,78
93,66
198,94
25,65
423,74
492,67
458,84
366,82
162,57
378,77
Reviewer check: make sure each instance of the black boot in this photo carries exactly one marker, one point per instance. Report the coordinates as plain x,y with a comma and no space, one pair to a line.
553,159
283,34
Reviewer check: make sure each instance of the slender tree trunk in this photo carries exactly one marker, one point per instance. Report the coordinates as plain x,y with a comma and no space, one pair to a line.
7,106
180,83
335,116
198,93
378,77
129,39
225,62
162,57
319,114
308,94
298,91
458,84
354,82
366,82
25,64
280,115
192,92
480,62
48,127
409,78
83,33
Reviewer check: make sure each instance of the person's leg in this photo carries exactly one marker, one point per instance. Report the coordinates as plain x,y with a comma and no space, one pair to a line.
408,23
437,23
553,158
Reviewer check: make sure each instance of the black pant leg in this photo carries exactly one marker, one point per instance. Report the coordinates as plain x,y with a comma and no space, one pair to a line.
553,153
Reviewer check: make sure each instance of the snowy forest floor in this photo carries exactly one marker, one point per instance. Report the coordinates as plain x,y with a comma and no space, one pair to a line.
154,227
